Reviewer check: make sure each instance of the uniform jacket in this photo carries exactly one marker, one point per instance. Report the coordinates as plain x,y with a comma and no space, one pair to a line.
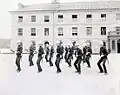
32,49
103,51
51,51
79,52
19,50
40,51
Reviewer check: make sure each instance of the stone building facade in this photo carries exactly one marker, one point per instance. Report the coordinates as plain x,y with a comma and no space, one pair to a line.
68,22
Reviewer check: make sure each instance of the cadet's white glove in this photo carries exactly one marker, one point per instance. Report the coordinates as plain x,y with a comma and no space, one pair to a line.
102,55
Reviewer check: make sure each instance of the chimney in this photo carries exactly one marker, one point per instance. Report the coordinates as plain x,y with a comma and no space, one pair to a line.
20,6
55,1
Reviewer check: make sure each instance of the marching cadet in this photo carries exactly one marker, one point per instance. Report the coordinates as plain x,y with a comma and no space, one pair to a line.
78,61
59,55
103,54
40,56
84,53
62,49
31,51
66,53
51,55
88,55
19,56
70,56
73,48
47,52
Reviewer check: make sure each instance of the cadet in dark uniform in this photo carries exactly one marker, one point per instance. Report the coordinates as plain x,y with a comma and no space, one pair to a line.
51,55
73,48
31,50
84,53
103,54
66,53
78,60
47,53
70,56
19,56
40,56
61,50
88,54
59,55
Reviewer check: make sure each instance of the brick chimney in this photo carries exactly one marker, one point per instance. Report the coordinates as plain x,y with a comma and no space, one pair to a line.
20,6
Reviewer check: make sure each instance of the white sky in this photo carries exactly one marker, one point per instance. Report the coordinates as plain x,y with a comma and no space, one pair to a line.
8,5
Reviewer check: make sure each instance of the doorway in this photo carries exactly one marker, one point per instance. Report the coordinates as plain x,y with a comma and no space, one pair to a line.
118,46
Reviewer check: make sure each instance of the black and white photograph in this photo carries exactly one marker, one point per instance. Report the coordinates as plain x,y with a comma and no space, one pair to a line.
60,47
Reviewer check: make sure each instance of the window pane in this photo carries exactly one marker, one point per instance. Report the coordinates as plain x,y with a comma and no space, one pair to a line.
20,31
46,18
74,31
33,31
20,18
46,31
74,16
89,30
60,31
103,30
89,16
33,18
60,16
103,15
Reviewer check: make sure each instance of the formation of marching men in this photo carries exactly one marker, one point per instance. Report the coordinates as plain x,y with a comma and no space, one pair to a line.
68,53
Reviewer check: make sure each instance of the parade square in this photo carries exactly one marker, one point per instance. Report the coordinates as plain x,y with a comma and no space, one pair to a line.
29,82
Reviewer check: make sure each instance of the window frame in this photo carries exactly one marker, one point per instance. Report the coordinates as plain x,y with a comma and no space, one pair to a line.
74,31
88,31
103,33
60,16
74,17
89,15
46,18
33,18
60,31
45,31
33,31
20,19
103,15
20,32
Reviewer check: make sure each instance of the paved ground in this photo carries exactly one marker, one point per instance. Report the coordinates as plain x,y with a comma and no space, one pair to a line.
29,82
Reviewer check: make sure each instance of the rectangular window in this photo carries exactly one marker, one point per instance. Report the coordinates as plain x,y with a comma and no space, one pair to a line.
46,31
74,31
89,30
20,19
20,31
60,16
103,30
74,17
117,28
46,18
33,18
33,31
117,16
103,17
89,16
60,31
